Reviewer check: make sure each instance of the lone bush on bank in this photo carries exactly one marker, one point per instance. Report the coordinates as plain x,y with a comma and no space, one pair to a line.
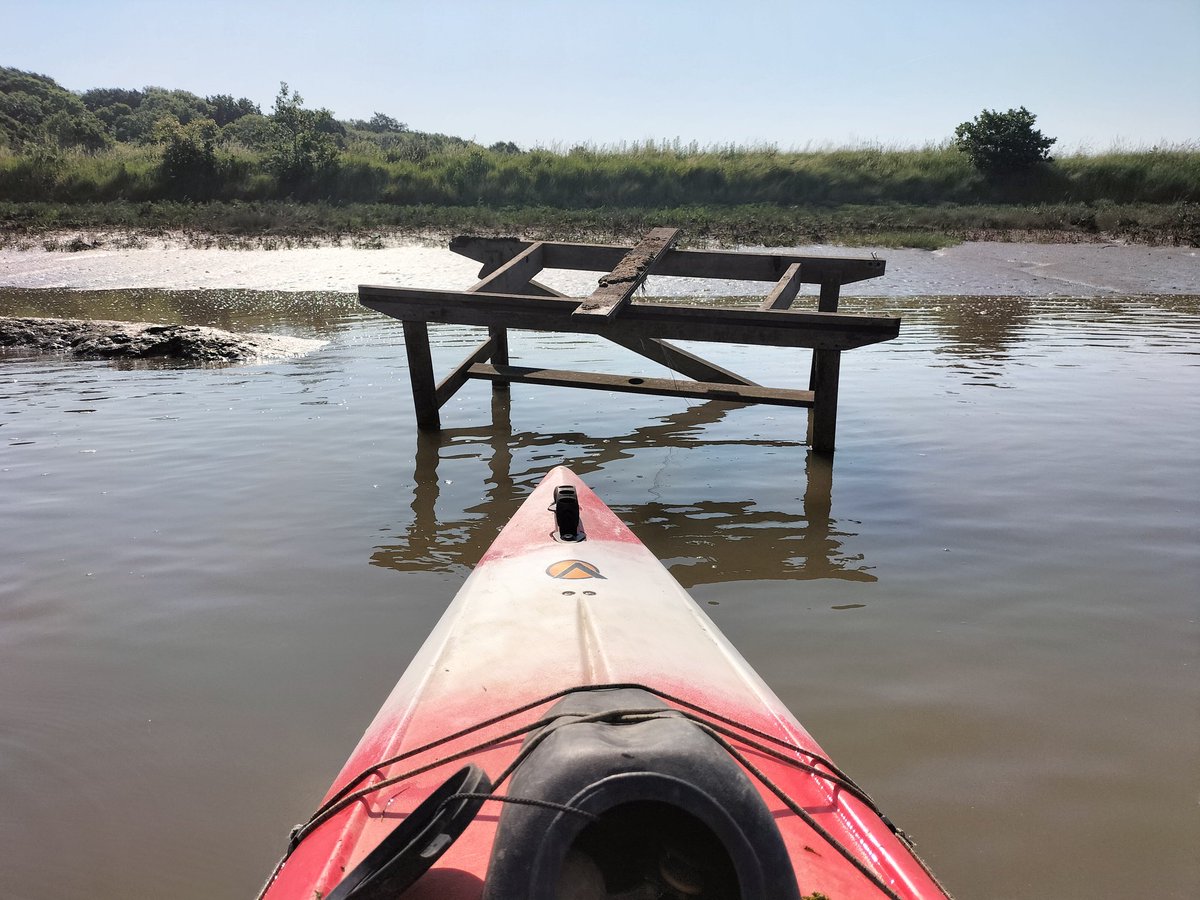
1000,143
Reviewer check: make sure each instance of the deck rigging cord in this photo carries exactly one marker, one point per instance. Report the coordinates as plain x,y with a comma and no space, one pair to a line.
720,728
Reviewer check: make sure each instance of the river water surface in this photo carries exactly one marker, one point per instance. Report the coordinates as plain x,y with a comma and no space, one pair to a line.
986,611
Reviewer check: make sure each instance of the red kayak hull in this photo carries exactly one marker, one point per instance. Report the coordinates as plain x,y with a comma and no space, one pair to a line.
539,616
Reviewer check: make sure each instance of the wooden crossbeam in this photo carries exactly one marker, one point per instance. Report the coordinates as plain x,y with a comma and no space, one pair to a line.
449,385
777,328
663,387
679,360
665,354
515,274
732,265
617,287
785,289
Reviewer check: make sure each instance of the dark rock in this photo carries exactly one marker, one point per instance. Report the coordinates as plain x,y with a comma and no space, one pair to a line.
140,340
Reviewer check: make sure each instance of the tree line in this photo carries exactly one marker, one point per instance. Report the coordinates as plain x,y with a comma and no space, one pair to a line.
110,145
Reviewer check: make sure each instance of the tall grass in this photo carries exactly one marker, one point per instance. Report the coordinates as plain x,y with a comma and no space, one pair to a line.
884,190
643,175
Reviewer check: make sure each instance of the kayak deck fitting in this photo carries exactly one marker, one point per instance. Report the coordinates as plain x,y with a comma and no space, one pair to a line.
576,727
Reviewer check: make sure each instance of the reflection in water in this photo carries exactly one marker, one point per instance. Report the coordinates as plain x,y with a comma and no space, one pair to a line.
704,542
981,334
984,337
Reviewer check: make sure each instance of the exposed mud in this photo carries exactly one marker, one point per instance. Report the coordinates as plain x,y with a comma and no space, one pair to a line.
194,344
972,269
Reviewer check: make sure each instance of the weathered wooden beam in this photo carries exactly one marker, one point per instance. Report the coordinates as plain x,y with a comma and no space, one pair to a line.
420,374
779,328
823,418
733,265
663,387
449,385
674,358
512,277
499,337
828,301
617,287
785,289
679,360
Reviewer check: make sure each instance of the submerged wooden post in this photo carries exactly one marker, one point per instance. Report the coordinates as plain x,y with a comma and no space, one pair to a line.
420,371
499,336
823,381
822,431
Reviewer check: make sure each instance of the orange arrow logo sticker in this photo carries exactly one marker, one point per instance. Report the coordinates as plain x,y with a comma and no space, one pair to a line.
573,569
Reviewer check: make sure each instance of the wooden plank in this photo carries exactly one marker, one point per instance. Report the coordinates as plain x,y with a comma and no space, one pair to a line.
617,287
663,387
420,374
679,360
734,265
674,358
778,328
785,289
823,419
515,274
828,301
449,385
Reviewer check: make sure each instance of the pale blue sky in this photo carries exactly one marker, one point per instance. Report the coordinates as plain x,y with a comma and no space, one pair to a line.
796,74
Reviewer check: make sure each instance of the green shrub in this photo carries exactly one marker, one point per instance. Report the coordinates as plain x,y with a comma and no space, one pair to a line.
1000,143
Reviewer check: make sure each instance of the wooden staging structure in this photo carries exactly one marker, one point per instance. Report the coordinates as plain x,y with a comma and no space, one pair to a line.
508,296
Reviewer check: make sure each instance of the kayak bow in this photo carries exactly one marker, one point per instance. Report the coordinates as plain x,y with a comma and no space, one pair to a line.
575,726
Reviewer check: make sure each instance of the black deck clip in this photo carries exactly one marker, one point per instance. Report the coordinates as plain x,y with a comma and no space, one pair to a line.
566,513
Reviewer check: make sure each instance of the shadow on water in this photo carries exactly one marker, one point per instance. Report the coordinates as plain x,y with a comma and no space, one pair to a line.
702,542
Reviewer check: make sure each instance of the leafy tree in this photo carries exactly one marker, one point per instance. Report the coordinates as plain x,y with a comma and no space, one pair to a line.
385,124
36,109
78,130
225,109
189,161
999,143
156,104
99,98
253,131
305,146
21,116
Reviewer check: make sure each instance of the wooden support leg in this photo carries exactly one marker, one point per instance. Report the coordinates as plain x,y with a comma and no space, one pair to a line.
822,421
499,336
500,465
828,302
420,372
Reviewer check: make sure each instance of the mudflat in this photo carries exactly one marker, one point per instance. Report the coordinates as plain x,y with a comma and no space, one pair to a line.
969,269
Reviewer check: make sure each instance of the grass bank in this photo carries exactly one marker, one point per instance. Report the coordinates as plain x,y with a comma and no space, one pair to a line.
276,223
926,197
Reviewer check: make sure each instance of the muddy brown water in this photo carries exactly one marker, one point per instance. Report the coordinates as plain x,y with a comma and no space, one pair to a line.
986,610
